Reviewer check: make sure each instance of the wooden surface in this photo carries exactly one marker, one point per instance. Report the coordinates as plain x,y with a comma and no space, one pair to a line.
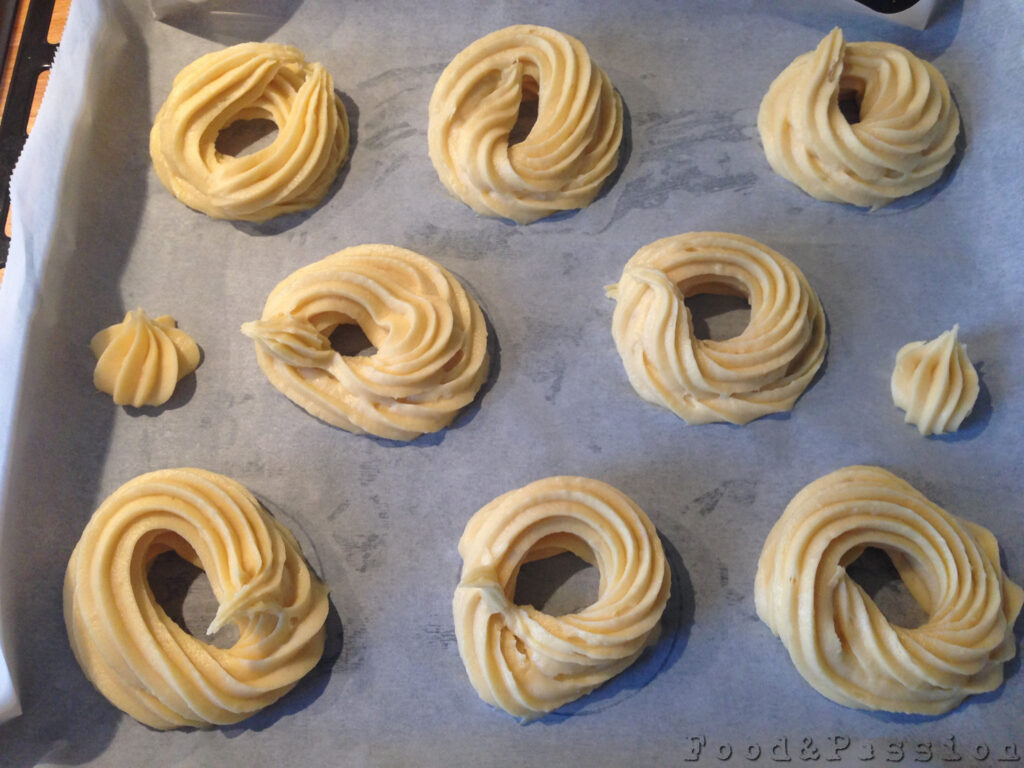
57,22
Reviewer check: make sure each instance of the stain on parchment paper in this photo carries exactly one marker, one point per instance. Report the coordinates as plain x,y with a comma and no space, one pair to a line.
393,84
364,550
440,634
369,471
542,353
362,537
387,100
471,245
732,596
741,491
687,151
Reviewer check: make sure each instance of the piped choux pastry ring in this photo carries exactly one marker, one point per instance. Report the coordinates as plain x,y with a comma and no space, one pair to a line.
903,138
528,662
430,336
247,82
838,638
569,152
137,656
761,371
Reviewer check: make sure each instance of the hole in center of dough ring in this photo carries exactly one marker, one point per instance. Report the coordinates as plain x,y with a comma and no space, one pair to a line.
182,589
558,576
879,571
528,108
719,308
244,136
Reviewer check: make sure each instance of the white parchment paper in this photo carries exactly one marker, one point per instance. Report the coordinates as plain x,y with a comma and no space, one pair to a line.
380,520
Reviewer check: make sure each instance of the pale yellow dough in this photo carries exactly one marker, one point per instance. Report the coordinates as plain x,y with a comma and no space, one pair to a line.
935,383
246,82
835,634
902,143
571,149
139,361
431,340
137,656
761,371
527,662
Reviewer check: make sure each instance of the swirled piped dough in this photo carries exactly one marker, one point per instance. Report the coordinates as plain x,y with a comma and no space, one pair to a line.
140,360
525,661
430,337
571,149
837,637
137,656
247,82
935,383
761,371
902,142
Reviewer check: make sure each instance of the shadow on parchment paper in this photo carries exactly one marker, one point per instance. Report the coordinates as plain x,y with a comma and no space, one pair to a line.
225,21
287,221
676,622
859,26
62,433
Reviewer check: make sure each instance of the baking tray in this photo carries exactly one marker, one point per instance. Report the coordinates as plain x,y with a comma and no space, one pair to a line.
380,520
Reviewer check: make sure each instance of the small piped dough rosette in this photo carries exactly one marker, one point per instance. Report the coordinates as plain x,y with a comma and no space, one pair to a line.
571,149
137,656
935,383
902,143
761,371
247,82
140,360
837,637
525,661
430,335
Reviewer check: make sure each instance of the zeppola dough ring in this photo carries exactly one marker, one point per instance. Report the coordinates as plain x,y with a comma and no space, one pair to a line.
902,142
430,336
571,149
761,371
527,662
139,361
247,82
835,634
137,656
935,383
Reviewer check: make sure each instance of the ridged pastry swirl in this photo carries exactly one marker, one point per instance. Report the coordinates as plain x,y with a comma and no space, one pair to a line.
761,371
835,634
247,82
935,383
430,336
527,662
139,361
902,143
571,149
137,656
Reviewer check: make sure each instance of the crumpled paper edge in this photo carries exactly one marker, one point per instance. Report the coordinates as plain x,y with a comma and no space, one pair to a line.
35,192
